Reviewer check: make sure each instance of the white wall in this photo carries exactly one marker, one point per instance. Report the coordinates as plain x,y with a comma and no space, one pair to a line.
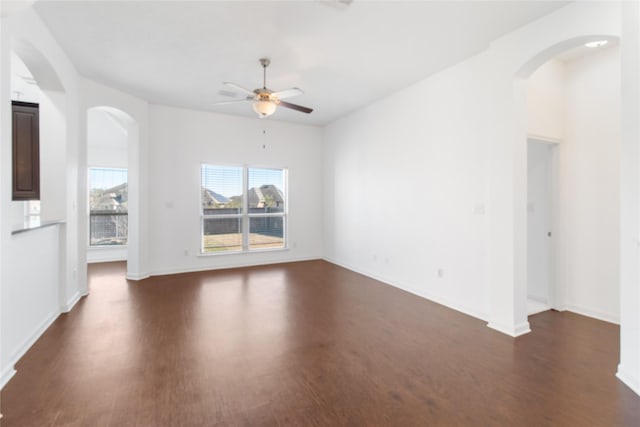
184,139
629,367
38,276
588,164
107,142
405,189
22,83
545,101
439,153
32,303
53,155
107,157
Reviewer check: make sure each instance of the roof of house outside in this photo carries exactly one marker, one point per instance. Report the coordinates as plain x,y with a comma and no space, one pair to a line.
267,195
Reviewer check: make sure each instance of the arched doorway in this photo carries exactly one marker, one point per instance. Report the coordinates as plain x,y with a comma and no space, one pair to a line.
521,215
573,156
118,151
628,181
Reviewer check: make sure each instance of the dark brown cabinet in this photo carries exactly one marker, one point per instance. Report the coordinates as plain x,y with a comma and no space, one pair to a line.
26,151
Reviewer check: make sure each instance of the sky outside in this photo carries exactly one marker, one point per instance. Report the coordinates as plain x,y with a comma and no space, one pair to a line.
220,179
104,178
227,181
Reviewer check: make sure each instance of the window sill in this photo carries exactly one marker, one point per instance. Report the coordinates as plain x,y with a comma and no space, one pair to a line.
255,251
105,247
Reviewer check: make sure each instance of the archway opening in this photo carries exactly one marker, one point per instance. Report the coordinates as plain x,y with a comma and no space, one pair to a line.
112,190
573,163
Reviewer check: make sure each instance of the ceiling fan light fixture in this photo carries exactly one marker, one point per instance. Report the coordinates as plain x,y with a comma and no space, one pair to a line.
264,108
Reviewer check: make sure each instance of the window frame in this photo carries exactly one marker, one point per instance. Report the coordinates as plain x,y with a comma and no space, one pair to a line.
104,247
245,216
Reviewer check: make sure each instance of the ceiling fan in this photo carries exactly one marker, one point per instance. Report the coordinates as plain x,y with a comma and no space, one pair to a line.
265,101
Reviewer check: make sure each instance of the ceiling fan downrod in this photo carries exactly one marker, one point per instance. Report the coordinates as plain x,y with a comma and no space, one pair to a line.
265,63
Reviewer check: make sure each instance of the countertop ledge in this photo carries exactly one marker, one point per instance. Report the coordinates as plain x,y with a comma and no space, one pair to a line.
35,225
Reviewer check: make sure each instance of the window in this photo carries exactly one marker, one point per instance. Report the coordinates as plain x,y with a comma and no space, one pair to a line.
243,208
108,201
32,213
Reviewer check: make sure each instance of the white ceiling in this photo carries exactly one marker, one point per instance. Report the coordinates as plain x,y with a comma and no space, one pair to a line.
343,56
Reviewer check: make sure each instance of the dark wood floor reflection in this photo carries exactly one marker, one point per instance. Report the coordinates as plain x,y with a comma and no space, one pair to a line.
306,344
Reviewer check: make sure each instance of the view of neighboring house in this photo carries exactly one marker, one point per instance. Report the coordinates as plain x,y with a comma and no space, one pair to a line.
111,199
265,199
265,196
108,213
211,199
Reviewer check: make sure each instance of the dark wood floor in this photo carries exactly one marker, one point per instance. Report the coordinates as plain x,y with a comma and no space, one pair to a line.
306,344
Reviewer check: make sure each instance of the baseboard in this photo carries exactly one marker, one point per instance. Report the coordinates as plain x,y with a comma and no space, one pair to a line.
72,302
225,267
426,295
584,311
106,259
543,139
97,254
629,380
538,298
7,374
511,330
138,276
9,371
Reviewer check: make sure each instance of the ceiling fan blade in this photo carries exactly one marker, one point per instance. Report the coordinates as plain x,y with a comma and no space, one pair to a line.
295,107
235,101
239,88
228,93
288,93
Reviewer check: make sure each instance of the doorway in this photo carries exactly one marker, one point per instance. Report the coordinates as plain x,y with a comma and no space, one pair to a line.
107,160
573,188
113,140
540,265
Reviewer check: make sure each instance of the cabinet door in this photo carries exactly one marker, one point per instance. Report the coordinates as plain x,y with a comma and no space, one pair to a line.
26,151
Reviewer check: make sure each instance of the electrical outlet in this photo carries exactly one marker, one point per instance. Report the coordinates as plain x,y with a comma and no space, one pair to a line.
440,273
186,252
